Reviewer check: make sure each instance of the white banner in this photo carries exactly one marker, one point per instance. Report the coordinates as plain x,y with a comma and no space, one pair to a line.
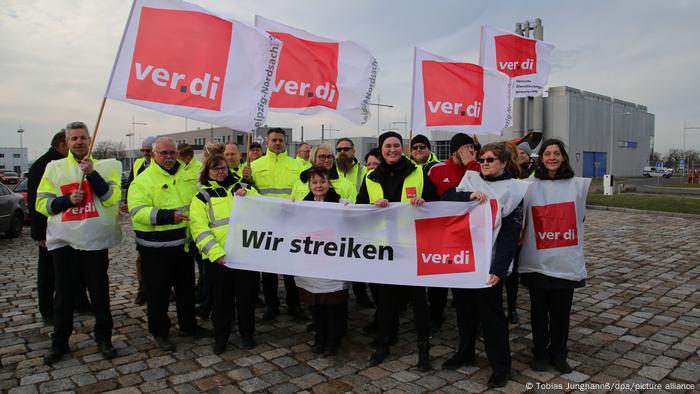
444,244
180,59
525,60
318,74
459,97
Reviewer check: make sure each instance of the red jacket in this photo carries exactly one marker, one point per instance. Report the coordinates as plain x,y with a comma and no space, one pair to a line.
447,174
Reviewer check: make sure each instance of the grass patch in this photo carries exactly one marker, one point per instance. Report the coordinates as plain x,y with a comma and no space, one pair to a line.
666,203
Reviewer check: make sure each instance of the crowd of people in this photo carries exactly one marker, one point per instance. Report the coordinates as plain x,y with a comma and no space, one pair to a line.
180,208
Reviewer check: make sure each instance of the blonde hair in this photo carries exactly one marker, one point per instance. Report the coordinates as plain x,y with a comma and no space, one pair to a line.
211,149
314,151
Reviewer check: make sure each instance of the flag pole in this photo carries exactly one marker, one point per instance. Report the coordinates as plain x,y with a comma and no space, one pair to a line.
92,139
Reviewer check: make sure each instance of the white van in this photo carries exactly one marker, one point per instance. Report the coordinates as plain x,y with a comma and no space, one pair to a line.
657,171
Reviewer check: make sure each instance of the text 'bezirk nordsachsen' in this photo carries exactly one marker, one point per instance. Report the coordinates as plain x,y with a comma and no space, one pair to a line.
347,247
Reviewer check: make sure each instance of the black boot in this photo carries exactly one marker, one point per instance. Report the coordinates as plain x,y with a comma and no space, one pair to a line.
461,358
424,356
379,354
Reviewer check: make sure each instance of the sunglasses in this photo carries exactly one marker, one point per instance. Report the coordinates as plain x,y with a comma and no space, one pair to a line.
419,147
343,149
486,159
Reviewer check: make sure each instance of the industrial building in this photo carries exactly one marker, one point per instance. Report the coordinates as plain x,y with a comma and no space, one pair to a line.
14,159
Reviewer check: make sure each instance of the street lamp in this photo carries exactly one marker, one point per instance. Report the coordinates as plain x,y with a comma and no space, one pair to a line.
130,137
612,122
20,131
404,123
379,105
685,156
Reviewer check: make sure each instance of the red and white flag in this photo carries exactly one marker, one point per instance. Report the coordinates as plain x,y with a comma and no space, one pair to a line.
180,59
318,74
460,97
525,60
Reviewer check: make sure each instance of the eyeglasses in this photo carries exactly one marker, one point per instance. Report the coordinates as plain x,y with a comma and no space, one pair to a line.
325,157
343,149
419,147
167,152
486,159
218,169
144,150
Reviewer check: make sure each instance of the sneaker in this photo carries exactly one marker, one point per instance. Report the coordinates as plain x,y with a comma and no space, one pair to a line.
165,344
53,356
561,365
247,343
270,314
498,380
108,351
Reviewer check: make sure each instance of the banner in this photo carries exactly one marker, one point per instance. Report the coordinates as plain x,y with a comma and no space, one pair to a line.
459,97
180,59
525,60
444,244
318,74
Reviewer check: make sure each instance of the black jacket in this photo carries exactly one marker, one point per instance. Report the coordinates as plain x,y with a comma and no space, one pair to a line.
391,178
36,172
506,245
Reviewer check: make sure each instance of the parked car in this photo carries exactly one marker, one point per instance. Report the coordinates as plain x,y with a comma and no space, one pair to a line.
657,171
12,212
21,189
10,177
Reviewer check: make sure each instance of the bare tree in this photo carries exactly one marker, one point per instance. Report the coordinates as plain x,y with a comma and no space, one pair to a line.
108,150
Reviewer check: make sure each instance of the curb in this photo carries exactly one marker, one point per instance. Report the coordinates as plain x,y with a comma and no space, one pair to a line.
655,213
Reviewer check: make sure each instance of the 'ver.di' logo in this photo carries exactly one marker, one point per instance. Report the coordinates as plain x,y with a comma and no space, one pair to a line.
444,245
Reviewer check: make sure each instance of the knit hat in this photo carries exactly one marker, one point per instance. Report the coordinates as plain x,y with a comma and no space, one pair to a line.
458,140
255,145
420,139
147,142
525,146
389,134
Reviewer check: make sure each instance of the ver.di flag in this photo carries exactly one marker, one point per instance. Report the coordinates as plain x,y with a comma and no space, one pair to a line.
319,74
180,59
525,60
459,97
444,244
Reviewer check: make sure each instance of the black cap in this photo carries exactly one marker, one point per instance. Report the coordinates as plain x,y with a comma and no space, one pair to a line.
255,145
458,140
421,139
389,134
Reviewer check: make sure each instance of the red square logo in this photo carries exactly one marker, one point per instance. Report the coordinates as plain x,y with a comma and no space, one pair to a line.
307,74
86,210
453,93
411,192
180,58
444,245
516,55
555,225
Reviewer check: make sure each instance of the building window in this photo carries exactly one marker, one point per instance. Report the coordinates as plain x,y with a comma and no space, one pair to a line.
239,139
2,155
16,155
2,166
442,150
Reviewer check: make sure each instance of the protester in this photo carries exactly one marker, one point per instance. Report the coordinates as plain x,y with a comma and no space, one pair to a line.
485,306
82,224
398,180
346,163
274,175
322,156
447,175
232,153
421,153
553,270
45,274
209,216
159,201
138,167
303,152
327,298
255,152
185,153
527,164
372,159
211,149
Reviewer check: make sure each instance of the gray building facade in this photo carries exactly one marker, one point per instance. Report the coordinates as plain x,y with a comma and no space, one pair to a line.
14,159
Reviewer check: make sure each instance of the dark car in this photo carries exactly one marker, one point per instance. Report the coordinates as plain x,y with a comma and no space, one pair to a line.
10,177
21,189
12,212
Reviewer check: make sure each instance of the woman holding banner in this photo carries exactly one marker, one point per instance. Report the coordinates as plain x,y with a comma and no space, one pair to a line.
326,297
398,180
322,156
209,215
551,260
484,306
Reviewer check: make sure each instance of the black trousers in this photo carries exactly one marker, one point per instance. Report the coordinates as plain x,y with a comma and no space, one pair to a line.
390,297
203,293
437,299
512,283
329,320
270,291
550,310
232,287
161,271
485,307
45,283
72,268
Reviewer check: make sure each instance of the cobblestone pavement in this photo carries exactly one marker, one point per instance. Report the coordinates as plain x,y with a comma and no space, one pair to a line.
636,322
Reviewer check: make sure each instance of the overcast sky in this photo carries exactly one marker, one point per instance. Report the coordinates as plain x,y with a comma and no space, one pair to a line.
57,56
